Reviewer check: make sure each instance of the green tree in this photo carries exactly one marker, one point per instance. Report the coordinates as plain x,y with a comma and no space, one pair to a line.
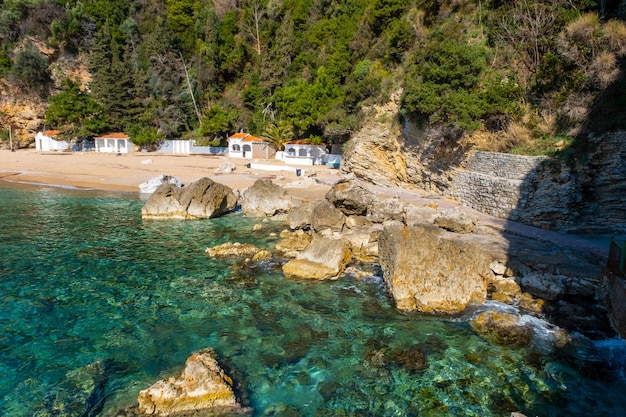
304,104
449,84
217,122
75,112
30,69
112,82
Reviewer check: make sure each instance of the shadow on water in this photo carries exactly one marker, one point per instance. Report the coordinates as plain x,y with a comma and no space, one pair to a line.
570,205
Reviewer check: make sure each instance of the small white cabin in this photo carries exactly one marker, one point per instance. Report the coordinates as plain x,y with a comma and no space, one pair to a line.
303,153
244,145
116,142
46,142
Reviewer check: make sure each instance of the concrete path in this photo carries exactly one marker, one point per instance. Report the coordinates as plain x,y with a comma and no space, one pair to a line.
596,245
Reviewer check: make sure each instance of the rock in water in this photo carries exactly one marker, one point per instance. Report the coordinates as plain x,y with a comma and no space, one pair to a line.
233,250
502,328
202,199
203,385
429,273
205,199
322,259
163,203
265,198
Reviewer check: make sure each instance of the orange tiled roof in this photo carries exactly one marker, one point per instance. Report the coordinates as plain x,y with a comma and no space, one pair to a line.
239,135
246,137
113,135
52,133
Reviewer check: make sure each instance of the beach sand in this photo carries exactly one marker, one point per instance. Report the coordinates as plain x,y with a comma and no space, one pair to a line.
103,171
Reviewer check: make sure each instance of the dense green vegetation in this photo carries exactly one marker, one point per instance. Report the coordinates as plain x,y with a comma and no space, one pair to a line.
519,70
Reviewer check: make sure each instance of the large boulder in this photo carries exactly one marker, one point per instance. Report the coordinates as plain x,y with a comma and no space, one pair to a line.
164,203
350,196
322,259
205,199
326,216
426,272
203,385
387,209
202,199
456,220
301,217
264,198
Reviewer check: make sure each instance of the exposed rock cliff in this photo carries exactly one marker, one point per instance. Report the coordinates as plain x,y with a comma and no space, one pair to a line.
25,113
587,195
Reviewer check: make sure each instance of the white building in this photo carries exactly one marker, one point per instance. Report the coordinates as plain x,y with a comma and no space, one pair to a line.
303,153
46,142
244,145
114,143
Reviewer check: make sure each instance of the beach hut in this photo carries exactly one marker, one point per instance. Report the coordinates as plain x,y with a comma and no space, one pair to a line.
46,142
301,152
244,145
116,142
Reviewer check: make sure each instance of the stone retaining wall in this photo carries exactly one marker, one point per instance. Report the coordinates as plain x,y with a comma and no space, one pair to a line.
496,184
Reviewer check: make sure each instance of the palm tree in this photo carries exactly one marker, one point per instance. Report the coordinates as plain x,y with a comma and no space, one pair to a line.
278,133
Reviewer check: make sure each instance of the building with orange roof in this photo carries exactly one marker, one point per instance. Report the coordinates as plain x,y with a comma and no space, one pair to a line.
116,142
245,145
47,141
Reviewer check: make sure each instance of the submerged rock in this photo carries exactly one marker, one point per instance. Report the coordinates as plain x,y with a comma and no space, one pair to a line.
322,259
502,328
427,272
234,250
202,199
82,392
202,385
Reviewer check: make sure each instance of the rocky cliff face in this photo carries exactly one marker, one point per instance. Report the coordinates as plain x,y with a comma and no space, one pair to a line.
588,195
24,112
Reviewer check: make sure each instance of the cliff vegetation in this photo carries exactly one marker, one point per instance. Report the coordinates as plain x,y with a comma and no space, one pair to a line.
521,76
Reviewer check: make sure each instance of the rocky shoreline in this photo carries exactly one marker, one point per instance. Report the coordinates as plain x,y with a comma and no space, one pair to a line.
432,260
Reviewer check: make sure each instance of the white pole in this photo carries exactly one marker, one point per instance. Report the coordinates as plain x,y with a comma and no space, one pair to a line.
11,139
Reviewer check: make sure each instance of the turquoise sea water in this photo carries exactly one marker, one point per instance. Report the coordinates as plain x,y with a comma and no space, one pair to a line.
84,281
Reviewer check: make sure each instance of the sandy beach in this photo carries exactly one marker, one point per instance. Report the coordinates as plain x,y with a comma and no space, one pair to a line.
92,170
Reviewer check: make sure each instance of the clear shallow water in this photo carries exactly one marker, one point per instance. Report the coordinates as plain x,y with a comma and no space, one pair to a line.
84,280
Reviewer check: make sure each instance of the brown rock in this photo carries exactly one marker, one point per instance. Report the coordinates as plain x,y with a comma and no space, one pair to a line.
350,196
528,302
233,250
323,259
264,198
202,385
502,328
291,244
429,273
205,199
202,199
326,216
